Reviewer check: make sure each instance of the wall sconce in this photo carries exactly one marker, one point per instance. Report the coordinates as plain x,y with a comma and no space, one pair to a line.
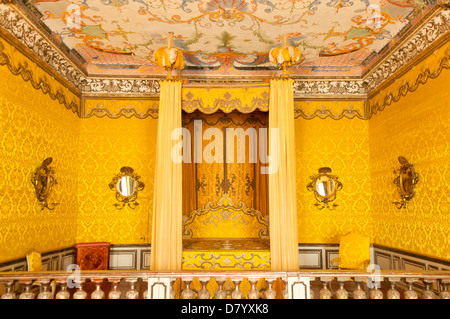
43,180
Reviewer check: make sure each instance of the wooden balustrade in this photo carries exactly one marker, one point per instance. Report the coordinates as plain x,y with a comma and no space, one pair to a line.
302,284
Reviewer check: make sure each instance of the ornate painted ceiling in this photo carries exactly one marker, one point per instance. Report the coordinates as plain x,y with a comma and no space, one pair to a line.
230,38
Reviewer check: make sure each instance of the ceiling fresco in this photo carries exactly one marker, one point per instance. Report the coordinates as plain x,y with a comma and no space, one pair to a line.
225,37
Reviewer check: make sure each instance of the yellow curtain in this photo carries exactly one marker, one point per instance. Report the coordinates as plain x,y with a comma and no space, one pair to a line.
167,206
281,190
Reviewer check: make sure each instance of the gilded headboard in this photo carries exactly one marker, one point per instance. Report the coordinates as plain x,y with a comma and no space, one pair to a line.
225,221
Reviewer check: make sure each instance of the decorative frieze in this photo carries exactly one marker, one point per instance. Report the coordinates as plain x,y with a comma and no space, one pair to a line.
421,40
329,87
27,34
120,86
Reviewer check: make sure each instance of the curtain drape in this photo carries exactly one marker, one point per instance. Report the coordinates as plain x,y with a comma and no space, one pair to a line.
281,190
167,205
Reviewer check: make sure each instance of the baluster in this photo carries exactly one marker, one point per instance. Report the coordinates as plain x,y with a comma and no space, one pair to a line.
285,292
341,293
393,293
204,293
375,293
445,294
98,293
270,293
145,295
188,293
132,293
236,293
114,293
9,293
359,293
63,293
325,293
411,293
173,293
27,293
228,287
45,292
80,293
253,293
428,293
220,293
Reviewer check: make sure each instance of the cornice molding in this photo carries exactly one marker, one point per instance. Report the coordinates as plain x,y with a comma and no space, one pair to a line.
120,86
424,38
394,96
16,25
335,88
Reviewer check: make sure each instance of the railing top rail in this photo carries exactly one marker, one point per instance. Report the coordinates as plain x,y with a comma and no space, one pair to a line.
146,274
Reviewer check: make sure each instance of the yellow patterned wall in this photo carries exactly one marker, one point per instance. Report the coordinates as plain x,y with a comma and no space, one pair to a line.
34,127
418,128
106,145
342,145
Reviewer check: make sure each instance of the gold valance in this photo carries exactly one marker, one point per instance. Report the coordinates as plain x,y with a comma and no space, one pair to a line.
208,99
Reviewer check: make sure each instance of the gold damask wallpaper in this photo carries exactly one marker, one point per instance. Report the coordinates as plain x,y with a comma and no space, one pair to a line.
408,118
106,145
418,128
342,145
33,127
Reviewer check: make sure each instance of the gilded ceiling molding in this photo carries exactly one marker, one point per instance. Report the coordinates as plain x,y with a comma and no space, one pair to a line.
211,98
430,69
337,88
137,87
425,37
27,34
39,79
116,108
334,109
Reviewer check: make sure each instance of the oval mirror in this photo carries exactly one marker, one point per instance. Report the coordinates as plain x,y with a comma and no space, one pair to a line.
126,186
325,186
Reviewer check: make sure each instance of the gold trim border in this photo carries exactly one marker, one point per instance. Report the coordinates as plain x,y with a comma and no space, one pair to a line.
127,112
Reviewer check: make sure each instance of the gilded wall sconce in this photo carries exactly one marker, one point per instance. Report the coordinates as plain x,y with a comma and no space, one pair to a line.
405,181
43,180
325,186
126,184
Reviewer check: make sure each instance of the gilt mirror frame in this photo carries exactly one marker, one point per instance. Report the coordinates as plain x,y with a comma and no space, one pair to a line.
405,181
43,180
128,199
325,200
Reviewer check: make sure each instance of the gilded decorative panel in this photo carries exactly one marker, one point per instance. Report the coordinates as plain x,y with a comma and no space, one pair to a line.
417,127
106,145
344,147
33,127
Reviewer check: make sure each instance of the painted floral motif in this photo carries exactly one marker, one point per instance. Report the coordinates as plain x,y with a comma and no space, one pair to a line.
227,36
